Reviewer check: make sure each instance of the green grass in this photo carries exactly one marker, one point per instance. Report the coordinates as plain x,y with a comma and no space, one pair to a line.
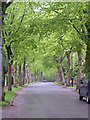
4,104
10,94
71,87
8,97
25,85
16,89
31,83
57,83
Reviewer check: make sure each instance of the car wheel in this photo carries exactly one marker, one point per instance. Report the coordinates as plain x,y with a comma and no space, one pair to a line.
80,97
88,100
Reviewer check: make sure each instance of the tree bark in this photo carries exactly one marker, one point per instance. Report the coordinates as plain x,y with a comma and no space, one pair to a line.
3,83
27,76
33,78
30,78
68,69
24,71
79,69
9,54
15,76
20,76
62,74
38,75
3,94
88,60
41,76
9,77
88,51
58,75
35,75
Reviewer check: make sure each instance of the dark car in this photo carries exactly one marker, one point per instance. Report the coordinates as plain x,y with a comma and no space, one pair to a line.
84,90
44,80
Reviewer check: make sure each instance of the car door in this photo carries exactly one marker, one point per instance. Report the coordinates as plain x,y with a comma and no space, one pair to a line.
85,88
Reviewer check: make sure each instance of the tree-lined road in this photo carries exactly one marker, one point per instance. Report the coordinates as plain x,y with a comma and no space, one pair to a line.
47,100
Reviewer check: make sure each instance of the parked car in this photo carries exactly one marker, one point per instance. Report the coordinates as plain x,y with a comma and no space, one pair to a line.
84,90
44,80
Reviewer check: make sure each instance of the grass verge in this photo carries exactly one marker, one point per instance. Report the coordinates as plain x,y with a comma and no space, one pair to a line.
57,83
8,97
16,89
10,94
71,87
25,85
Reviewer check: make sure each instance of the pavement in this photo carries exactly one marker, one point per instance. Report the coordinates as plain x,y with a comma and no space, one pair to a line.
47,100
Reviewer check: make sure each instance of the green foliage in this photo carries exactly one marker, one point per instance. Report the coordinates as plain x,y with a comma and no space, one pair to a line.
40,33
49,74
9,95
25,85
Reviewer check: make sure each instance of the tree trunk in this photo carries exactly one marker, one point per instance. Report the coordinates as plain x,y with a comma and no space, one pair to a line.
15,76
88,51
41,76
30,77
3,83
33,78
3,94
88,60
68,69
38,75
9,77
79,69
35,75
20,76
9,54
27,76
24,71
58,75
62,74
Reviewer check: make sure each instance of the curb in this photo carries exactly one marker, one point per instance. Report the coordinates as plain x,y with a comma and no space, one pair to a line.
12,101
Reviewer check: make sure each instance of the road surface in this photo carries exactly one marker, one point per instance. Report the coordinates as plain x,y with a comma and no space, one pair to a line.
47,100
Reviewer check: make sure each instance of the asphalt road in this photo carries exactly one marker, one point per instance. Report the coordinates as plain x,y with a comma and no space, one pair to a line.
47,100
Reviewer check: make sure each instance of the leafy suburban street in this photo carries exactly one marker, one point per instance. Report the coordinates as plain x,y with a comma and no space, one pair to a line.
47,100
44,59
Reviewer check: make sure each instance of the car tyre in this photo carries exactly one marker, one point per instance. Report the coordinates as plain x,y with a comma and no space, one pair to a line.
80,97
88,100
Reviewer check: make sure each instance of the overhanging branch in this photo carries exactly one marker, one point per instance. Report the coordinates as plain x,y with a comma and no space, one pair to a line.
75,27
9,3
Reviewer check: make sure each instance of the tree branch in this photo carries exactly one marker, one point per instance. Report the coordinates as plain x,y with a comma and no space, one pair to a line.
63,57
75,27
9,3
